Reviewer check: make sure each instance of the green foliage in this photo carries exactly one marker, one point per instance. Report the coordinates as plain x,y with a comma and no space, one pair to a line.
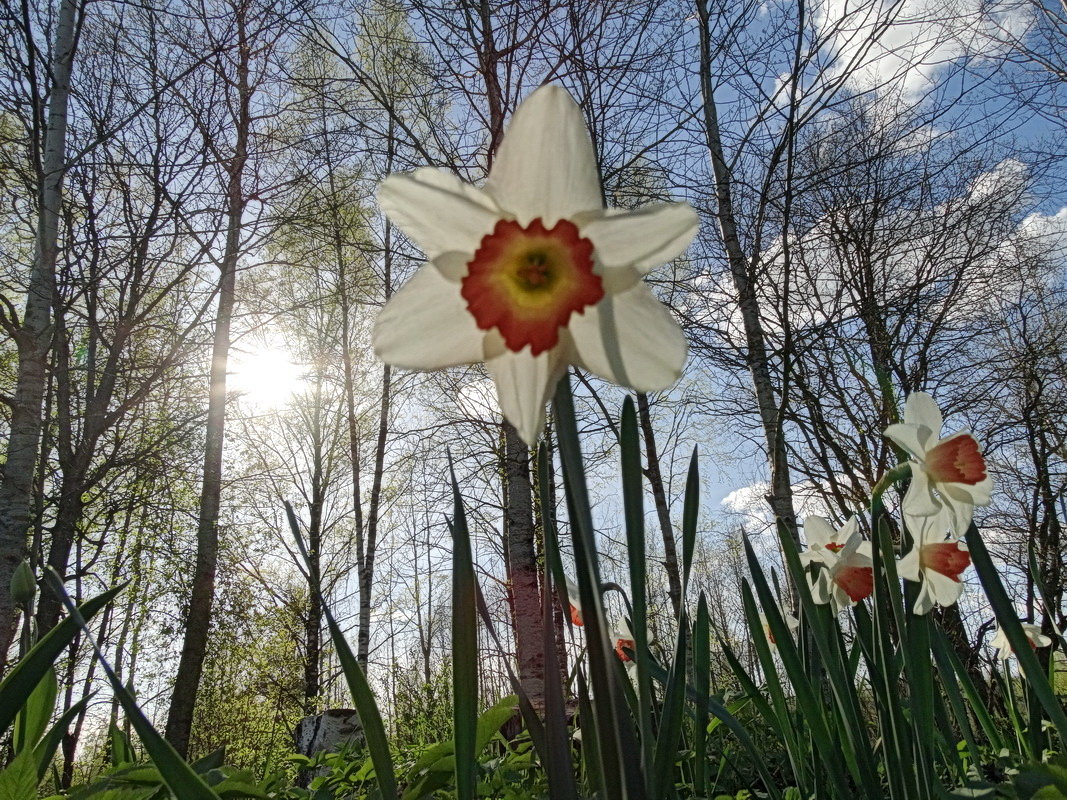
881,707
422,705
252,689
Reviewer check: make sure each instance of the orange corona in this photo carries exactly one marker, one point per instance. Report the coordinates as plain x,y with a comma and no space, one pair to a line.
956,460
527,281
945,557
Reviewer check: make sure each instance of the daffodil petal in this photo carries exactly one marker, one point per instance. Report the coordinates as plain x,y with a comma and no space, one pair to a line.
642,239
524,383
918,500
821,589
977,494
921,409
545,166
818,531
959,515
907,436
426,325
908,566
1001,644
943,589
630,339
437,210
924,600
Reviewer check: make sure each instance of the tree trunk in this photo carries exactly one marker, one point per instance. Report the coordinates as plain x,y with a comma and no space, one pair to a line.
523,584
659,495
367,546
202,596
33,335
519,533
313,621
780,497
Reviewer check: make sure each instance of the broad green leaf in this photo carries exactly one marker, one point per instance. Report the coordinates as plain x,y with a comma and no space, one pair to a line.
121,750
33,719
18,781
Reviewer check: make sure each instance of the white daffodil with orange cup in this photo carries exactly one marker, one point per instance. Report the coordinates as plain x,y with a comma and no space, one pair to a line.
847,576
530,273
948,479
1033,635
946,473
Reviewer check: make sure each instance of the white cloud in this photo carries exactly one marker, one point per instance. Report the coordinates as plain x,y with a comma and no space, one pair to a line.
1048,232
920,38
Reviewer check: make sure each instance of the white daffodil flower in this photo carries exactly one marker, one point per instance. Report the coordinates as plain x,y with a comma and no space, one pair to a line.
936,560
949,472
791,623
624,642
530,273
824,542
575,610
1033,633
848,576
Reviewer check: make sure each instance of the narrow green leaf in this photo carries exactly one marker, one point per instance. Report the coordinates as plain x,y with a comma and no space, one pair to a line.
464,650
175,772
634,509
1009,623
943,650
1039,584
45,750
690,512
619,770
556,754
828,747
670,728
31,668
702,684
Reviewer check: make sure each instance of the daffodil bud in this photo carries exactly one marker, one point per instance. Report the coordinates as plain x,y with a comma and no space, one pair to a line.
23,584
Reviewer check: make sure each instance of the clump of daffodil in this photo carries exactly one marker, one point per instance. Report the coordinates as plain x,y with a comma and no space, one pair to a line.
530,273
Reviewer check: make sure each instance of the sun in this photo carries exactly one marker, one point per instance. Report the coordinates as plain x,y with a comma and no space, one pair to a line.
265,376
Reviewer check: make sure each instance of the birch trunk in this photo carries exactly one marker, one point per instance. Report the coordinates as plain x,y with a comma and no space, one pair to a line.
33,335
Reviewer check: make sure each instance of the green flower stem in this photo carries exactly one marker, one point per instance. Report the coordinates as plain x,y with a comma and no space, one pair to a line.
894,475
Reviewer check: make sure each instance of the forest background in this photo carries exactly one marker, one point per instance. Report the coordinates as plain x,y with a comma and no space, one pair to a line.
193,261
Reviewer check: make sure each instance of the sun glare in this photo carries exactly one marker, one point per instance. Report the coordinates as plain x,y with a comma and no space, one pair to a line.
265,377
